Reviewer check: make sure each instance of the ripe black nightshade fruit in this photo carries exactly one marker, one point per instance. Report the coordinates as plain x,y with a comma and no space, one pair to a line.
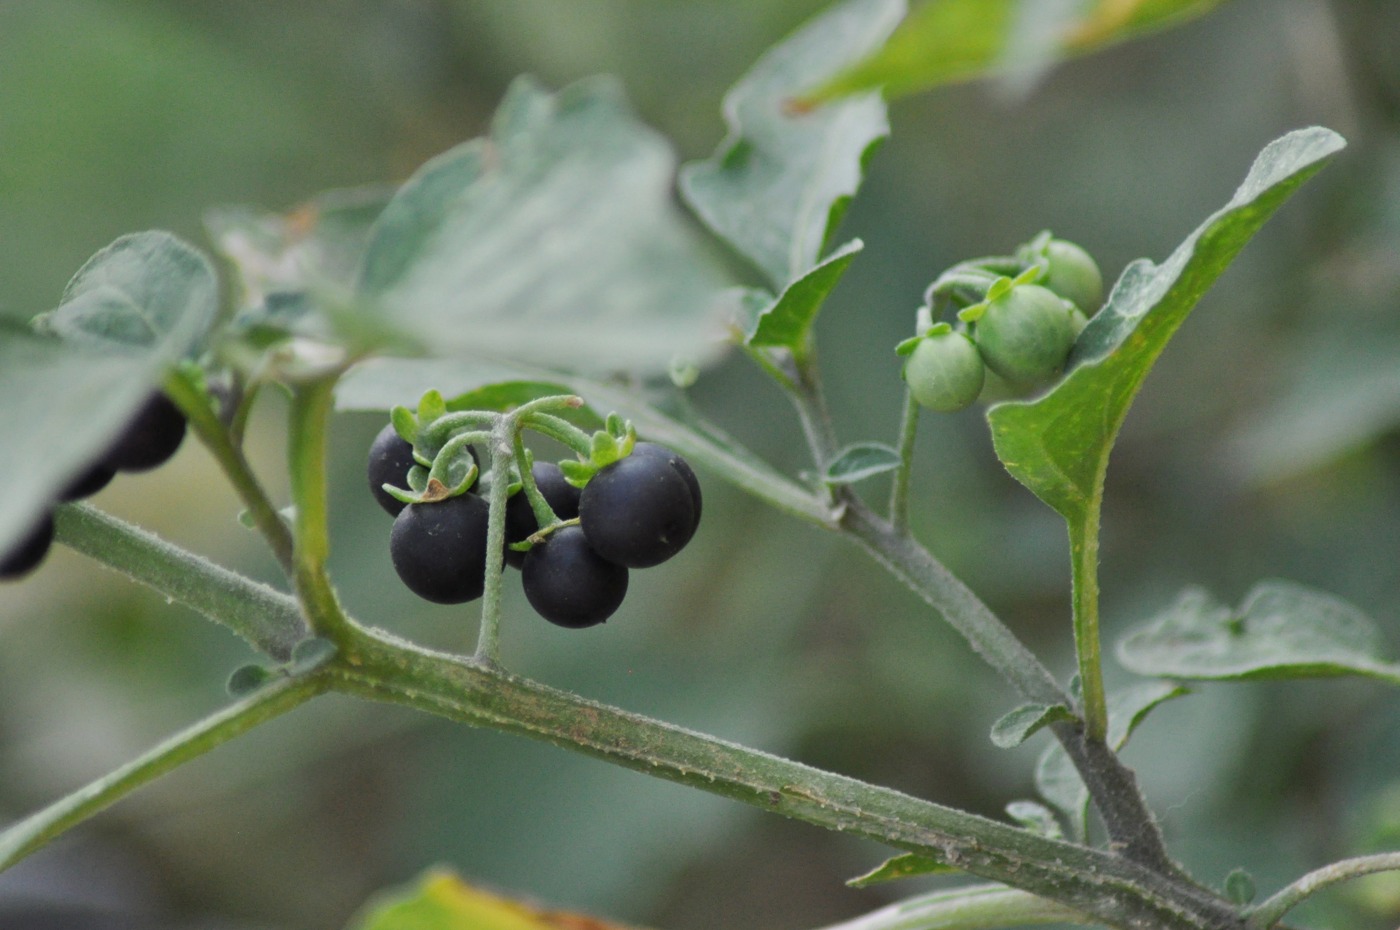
26,554
87,484
390,458
439,549
569,584
638,511
680,465
561,496
151,437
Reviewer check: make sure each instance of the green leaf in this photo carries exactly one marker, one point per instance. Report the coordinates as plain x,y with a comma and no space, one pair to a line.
908,865
1018,725
859,461
957,40
1239,887
246,679
1035,817
1058,445
145,293
441,901
779,183
1281,630
1055,776
554,242
787,321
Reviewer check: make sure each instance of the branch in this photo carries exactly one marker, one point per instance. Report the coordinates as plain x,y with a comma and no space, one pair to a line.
31,833
267,619
1270,911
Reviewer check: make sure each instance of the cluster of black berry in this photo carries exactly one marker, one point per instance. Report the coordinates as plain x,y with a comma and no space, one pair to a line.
149,440
633,513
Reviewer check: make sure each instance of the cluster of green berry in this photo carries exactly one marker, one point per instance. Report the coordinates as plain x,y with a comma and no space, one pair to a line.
149,440
635,512
1015,321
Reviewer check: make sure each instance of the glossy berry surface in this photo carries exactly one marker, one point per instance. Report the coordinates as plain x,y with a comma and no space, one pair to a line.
680,465
569,584
87,484
439,549
1073,274
390,458
945,372
28,552
1025,334
561,496
638,511
150,439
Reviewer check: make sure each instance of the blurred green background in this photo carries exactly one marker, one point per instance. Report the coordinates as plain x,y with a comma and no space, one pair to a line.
1264,445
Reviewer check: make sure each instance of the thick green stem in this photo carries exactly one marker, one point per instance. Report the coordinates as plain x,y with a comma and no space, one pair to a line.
268,619
1084,557
899,491
307,426
28,835
977,907
217,439
1107,887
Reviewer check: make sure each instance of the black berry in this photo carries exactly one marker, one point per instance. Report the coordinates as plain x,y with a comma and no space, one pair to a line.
680,465
28,552
561,496
87,484
439,549
390,458
569,584
151,437
638,511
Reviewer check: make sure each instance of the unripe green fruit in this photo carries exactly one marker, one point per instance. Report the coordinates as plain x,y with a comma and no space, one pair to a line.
944,372
1025,334
1073,274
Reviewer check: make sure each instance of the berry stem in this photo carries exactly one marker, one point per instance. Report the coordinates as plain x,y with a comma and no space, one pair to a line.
544,514
503,437
558,429
899,490
194,404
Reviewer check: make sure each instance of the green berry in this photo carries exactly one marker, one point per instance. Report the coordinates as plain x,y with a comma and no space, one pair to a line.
1073,274
1024,334
944,371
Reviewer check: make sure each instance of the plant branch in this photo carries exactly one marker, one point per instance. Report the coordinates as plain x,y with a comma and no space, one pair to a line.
267,619
1107,887
216,438
976,907
503,439
1269,912
307,429
26,836
899,490
1084,557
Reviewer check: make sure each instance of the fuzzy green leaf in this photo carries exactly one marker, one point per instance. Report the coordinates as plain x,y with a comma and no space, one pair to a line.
859,461
957,40
1058,445
1281,630
1055,776
1035,817
1016,726
781,180
908,865
553,241
787,321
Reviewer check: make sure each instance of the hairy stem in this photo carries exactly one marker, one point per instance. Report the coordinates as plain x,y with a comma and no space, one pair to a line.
312,404
502,447
1269,912
1104,886
899,490
1084,556
217,439
267,619
28,835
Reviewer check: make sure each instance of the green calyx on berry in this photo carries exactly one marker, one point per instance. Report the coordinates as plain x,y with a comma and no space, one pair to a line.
612,443
942,368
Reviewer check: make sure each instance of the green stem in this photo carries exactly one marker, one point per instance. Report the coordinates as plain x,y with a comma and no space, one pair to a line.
561,431
312,404
1120,892
544,514
1084,557
899,491
211,432
268,619
502,446
977,907
1270,911
28,835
